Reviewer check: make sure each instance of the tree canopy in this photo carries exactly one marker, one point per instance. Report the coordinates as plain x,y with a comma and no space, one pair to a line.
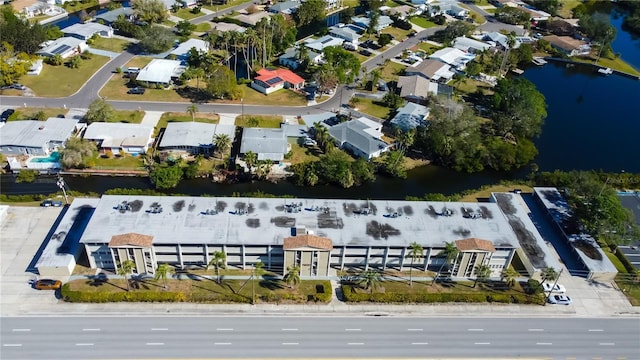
99,110
222,84
12,65
156,39
310,11
520,108
344,63
150,11
78,153
20,33
165,176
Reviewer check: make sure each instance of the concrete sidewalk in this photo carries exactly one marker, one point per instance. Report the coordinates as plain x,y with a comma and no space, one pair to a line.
151,118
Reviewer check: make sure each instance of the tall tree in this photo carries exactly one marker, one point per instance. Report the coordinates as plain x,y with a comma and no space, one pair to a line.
344,63
482,273
218,261
292,277
156,39
509,276
161,273
520,108
151,11
251,159
370,279
192,110
99,110
125,268
450,253
416,251
548,274
222,143
221,83
78,153
310,11
165,176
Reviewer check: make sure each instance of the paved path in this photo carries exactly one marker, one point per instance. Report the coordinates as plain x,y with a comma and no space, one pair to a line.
227,119
109,54
151,118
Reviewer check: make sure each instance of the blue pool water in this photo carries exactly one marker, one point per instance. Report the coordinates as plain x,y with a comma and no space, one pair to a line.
52,158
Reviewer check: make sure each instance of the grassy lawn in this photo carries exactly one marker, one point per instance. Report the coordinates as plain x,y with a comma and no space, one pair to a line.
128,116
74,6
184,117
391,3
302,153
368,106
202,27
631,288
397,33
615,64
138,61
168,23
116,89
118,162
428,47
61,81
422,22
474,15
187,14
282,97
264,121
485,193
27,113
566,8
470,86
391,70
110,44
229,3
201,289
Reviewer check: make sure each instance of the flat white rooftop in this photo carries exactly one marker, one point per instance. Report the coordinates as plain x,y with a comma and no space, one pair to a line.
269,221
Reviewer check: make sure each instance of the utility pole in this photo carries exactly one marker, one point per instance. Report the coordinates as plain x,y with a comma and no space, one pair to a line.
62,185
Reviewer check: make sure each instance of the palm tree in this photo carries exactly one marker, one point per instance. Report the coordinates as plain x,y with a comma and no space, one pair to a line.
218,260
354,101
251,159
257,272
161,273
370,279
483,272
292,277
321,135
125,268
450,252
548,274
509,276
265,168
192,110
416,251
374,76
222,143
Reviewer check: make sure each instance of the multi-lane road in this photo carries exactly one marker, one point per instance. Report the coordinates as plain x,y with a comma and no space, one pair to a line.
316,337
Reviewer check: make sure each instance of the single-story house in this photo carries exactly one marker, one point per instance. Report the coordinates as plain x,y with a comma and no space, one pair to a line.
416,88
32,137
160,71
348,33
431,69
362,21
267,144
322,118
291,58
221,27
110,17
323,42
452,56
285,7
193,137
87,30
402,11
454,10
536,15
36,67
65,47
360,136
568,45
269,81
497,39
182,51
131,138
168,4
252,19
470,45
410,116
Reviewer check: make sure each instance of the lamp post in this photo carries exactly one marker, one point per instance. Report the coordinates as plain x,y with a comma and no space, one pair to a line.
62,185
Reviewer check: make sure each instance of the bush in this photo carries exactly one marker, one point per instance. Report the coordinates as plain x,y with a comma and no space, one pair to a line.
625,262
131,296
27,176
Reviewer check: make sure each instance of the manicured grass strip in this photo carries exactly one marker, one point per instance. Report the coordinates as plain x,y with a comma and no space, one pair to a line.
372,107
119,162
27,113
184,117
264,121
128,116
422,22
110,44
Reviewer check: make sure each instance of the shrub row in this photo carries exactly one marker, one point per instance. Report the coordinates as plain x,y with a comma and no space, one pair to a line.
352,296
131,296
623,259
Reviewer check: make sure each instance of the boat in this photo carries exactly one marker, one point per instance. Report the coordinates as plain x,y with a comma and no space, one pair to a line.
539,61
606,71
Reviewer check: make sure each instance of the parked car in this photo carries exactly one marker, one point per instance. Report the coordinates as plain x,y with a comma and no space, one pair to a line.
365,52
309,142
136,90
49,203
6,114
48,284
548,287
559,299
18,87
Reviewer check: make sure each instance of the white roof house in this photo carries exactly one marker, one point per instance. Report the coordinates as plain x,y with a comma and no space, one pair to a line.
182,51
193,137
268,144
362,21
252,19
360,136
224,27
350,33
431,69
290,58
87,30
410,116
64,46
323,42
32,137
160,71
113,15
132,138
470,45
451,56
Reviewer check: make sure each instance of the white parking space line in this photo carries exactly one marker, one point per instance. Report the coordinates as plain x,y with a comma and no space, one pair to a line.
536,329
544,343
90,329
13,345
482,343
420,343
352,329
607,344
224,329
415,329
289,343
595,330
20,330
218,343
155,344
289,329
159,329
355,343
475,329
84,344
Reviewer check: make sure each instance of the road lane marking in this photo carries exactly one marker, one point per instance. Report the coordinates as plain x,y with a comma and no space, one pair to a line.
545,343
90,329
84,344
21,330
14,345
482,343
415,329
289,343
159,329
355,343
221,343
420,343
224,329
536,329
607,344
289,329
352,329
595,330
155,344
475,329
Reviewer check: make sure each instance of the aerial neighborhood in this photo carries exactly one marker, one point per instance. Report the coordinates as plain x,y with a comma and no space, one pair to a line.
202,108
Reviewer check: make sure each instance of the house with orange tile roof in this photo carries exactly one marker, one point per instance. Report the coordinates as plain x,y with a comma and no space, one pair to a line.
269,81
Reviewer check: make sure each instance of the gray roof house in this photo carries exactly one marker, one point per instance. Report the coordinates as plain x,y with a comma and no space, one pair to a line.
131,138
416,88
431,69
160,71
183,50
323,42
286,7
193,137
470,45
410,116
110,17
32,137
350,33
64,46
87,30
268,144
363,22
360,136
290,58
252,19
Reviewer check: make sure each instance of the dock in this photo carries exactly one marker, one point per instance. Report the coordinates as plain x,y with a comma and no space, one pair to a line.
539,61
605,71
517,71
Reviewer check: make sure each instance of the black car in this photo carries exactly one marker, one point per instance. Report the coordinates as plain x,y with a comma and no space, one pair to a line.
6,114
366,52
136,90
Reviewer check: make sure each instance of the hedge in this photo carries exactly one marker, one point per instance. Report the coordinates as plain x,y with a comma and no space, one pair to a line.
623,259
616,262
130,296
352,296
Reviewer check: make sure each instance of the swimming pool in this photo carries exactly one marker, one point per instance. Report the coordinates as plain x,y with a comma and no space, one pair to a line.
54,157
